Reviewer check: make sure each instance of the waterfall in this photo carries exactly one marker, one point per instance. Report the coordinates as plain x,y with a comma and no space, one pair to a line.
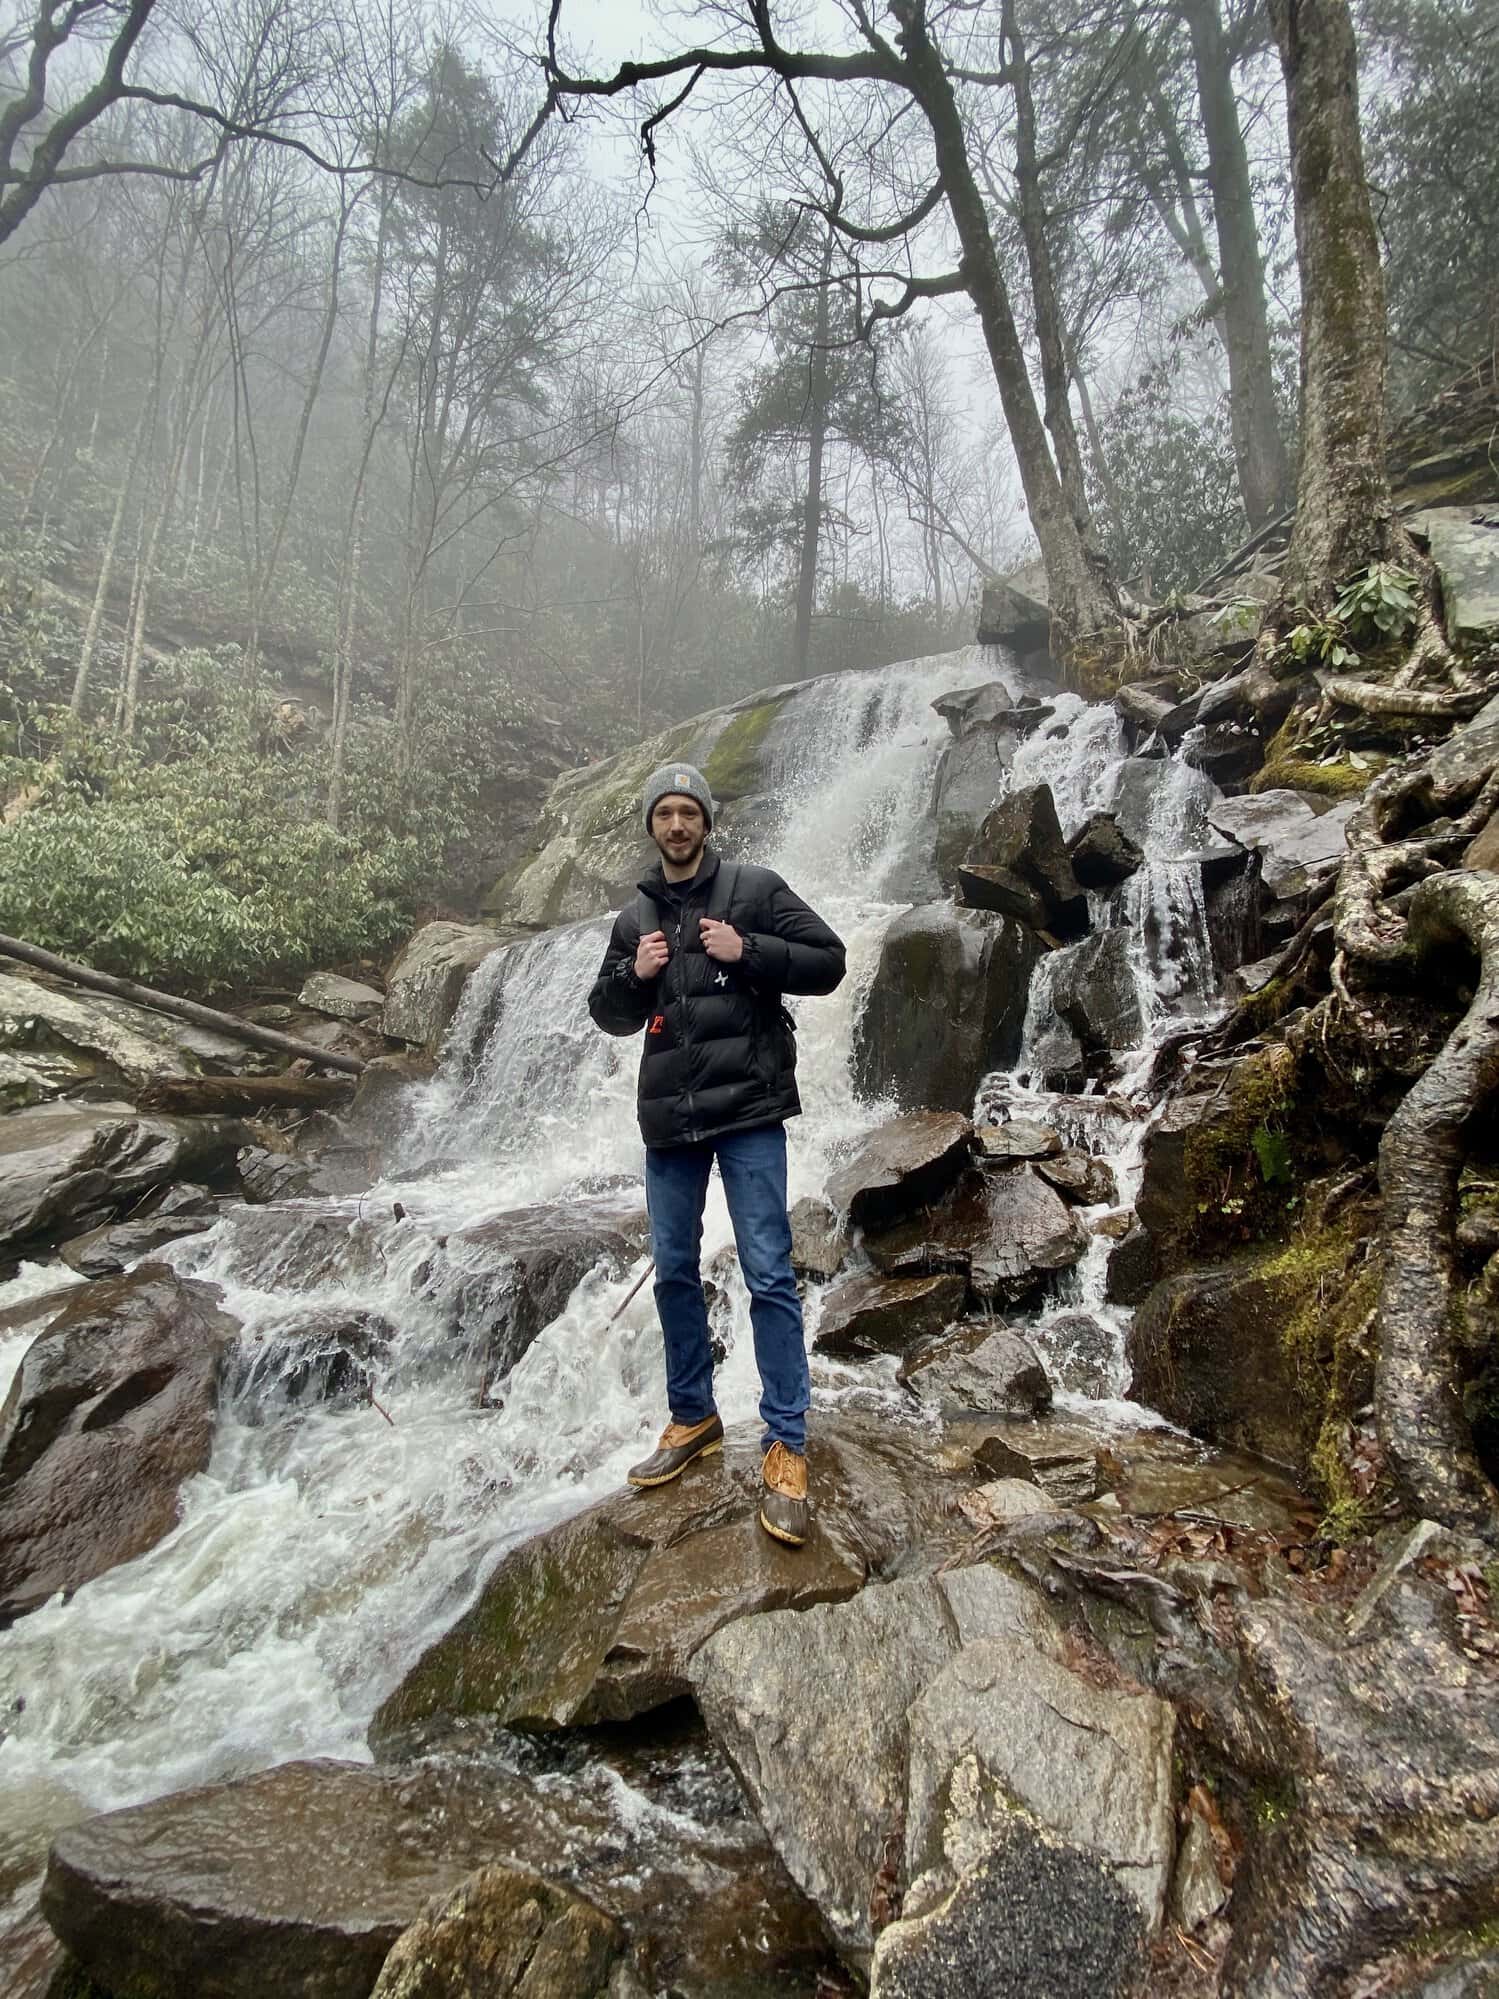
326,1545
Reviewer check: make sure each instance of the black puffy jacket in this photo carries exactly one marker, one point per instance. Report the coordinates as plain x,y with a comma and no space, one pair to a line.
720,1050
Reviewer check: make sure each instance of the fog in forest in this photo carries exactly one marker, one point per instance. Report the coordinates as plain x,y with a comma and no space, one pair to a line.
380,435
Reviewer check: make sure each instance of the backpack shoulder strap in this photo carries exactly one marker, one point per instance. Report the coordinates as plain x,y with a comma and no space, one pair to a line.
721,895
647,916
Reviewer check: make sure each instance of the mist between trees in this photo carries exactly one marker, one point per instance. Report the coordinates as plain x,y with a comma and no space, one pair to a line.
371,450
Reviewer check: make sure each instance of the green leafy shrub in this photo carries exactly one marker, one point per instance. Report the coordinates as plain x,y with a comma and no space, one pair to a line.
203,858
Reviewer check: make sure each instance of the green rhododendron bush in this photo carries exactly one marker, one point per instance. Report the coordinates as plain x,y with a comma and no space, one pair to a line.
204,858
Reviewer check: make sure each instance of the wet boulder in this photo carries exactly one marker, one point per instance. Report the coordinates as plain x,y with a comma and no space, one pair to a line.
1080,1353
1134,1265
105,1252
1007,1725
1297,844
1013,611
981,1367
112,1408
1247,1353
970,776
1102,855
1227,754
1096,993
1021,839
322,1356
425,984
1005,1231
342,999
298,1879
969,708
1001,892
500,1282
811,1710
819,1247
946,1005
1081,1178
1034,1234
1146,707
505,1933
1016,1138
599,1618
266,1176
902,1165
870,1315
1057,1454
66,1168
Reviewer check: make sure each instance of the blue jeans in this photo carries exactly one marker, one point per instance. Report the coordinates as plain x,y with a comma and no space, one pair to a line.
752,1165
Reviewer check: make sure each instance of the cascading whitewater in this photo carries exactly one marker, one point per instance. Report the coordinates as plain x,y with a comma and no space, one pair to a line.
326,1545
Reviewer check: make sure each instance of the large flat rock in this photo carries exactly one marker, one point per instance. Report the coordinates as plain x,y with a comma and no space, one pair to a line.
1295,843
598,1619
117,1041
298,1880
1091,1763
66,1167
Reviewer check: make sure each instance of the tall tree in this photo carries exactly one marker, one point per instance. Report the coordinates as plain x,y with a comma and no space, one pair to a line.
897,54
1343,505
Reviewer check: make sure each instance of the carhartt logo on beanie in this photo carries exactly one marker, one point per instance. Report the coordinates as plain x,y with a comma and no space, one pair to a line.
677,780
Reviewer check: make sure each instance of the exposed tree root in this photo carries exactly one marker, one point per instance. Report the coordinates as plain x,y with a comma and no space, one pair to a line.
1368,932
1372,697
1418,1409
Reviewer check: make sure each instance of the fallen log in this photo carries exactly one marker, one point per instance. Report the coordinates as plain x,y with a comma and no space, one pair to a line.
242,1096
182,1009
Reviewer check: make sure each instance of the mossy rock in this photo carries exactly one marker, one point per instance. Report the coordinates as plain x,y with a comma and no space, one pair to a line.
1266,1353
1332,780
735,767
1224,1165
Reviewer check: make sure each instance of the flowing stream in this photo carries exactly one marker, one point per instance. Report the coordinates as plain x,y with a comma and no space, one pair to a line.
325,1546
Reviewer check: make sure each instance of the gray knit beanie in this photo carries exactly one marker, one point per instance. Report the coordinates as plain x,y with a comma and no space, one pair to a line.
681,779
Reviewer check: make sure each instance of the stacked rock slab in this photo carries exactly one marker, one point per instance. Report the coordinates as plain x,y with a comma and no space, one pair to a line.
1019,865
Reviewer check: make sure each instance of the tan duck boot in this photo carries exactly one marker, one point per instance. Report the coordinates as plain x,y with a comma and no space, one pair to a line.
783,1506
680,1444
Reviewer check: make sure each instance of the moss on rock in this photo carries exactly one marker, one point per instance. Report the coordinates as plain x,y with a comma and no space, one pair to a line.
736,764
1331,780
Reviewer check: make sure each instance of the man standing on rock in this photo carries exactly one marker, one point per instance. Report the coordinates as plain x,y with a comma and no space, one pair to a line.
700,960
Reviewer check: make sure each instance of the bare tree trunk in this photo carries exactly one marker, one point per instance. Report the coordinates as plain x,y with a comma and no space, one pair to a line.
1034,228
107,562
1079,595
697,443
1343,504
267,573
817,429
1260,456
